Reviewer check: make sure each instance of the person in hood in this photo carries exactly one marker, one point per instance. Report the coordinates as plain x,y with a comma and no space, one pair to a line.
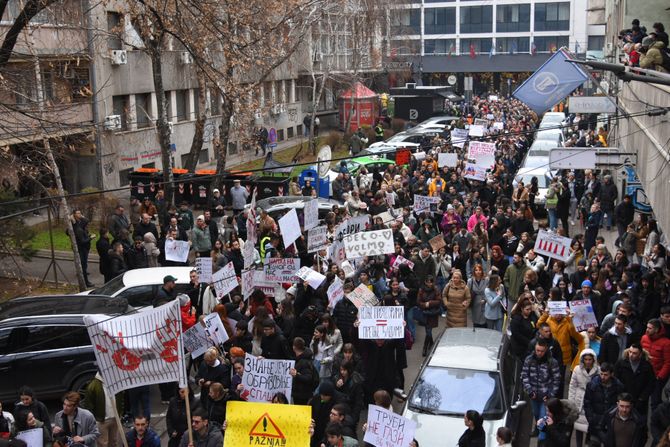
583,373
151,249
187,312
558,424
615,341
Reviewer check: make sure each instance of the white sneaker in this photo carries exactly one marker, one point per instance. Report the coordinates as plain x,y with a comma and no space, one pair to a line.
572,222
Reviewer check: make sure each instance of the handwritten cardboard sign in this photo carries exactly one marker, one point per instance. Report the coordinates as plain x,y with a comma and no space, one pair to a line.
381,322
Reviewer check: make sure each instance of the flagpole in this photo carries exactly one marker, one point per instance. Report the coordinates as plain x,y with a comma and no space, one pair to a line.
117,418
188,416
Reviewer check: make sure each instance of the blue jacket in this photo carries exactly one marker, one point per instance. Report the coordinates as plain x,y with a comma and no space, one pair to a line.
151,438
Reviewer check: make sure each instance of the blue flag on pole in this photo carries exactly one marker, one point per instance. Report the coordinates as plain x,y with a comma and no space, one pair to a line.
551,83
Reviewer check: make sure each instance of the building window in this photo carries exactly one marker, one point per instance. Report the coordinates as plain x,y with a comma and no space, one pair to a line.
552,16
550,44
182,105
120,105
512,45
142,110
280,134
196,102
476,19
203,157
439,46
115,30
439,21
402,47
512,18
596,43
298,129
481,46
406,21
124,176
289,132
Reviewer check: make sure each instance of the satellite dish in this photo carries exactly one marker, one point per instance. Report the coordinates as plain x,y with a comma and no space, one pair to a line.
452,80
323,160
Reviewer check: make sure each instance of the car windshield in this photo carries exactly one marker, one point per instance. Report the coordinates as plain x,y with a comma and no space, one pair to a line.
352,166
110,288
542,180
453,391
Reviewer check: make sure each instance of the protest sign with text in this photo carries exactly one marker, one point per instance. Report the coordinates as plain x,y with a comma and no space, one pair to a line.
311,214
311,277
281,269
583,316
362,296
214,329
335,292
557,308
317,238
447,159
369,243
248,282
425,203
387,429
351,226
475,172
176,251
437,242
263,378
476,130
204,268
225,279
483,153
459,137
289,226
381,322
399,260
263,424
196,340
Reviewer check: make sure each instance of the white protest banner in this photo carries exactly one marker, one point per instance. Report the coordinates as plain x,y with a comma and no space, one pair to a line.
351,225
481,122
381,322
335,292
583,316
476,131
459,137
399,260
33,437
447,159
225,279
336,252
248,253
289,227
176,251
369,243
493,97
390,199
362,296
196,341
498,125
311,277
483,153
311,214
248,283
552,245
425,203
556,308
387,429
281,269
386,217
139,349
214,329
317,238
279,294
348,269
204,268
263,378
419,155
475,172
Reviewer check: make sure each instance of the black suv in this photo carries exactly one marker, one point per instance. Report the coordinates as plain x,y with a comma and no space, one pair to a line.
44,343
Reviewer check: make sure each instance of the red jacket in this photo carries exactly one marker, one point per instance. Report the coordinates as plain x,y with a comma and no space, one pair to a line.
187,317
658,348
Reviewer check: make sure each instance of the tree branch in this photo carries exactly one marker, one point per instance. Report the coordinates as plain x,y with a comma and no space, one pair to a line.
32,8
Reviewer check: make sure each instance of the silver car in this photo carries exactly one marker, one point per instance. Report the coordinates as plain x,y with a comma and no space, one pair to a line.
468,369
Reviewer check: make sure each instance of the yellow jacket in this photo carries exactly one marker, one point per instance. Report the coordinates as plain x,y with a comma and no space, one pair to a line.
563,331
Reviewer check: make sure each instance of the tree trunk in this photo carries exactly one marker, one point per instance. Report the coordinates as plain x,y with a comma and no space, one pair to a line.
162,126
316,99
199,134
224,135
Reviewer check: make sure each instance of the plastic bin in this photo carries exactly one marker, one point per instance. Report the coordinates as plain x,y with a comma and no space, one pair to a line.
183,187
311,174
202,184
144,183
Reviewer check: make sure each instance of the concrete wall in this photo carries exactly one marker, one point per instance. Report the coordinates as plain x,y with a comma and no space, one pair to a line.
649,136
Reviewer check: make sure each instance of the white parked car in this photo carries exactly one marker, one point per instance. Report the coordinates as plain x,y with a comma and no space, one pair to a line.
544,176
443,120
469,369
140,286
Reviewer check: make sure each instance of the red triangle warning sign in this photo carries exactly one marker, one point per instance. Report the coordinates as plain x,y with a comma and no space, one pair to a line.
265,426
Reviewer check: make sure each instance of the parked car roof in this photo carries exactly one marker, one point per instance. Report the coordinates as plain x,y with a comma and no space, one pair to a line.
468,349
62,305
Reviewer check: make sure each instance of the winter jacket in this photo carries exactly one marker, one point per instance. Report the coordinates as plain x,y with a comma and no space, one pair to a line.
423,267
639,435
640,383
84,426
493,309
351,393
559,433
473,438
658,348
431,297
219,372
540,377
213,438
150,439
660,420
187,316
117,265
578,381
39,411
598,399
345,314
151,249
275,347
523,331
201,240
653,58
303,382
563,331
608,195
175,419
513,280
95,400
609,348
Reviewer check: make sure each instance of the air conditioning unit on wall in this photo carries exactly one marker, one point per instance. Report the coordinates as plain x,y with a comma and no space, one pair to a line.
185,58
119,57
113,122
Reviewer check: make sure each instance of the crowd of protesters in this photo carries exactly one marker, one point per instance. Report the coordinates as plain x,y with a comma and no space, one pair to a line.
485,273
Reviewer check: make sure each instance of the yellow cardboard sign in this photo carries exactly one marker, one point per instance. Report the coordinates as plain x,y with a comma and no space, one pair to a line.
252,423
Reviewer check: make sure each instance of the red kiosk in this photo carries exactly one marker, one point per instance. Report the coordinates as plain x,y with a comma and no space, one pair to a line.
365,105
